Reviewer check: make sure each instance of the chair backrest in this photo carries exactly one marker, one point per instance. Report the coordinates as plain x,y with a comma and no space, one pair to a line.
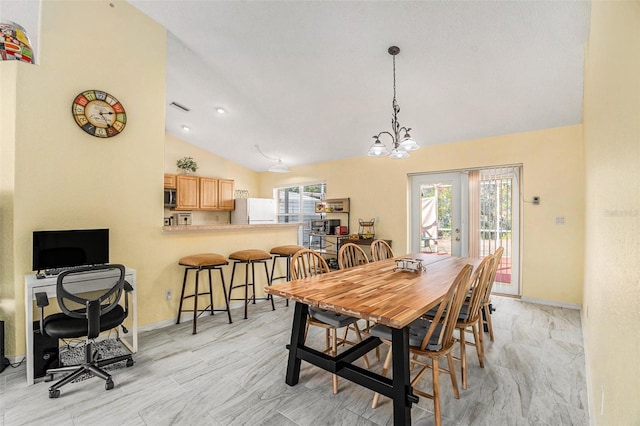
478,283
380,250
351,255
447,313
77,301
497,257
307,263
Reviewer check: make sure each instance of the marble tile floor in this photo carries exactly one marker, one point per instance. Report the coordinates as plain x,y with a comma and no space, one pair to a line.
233,374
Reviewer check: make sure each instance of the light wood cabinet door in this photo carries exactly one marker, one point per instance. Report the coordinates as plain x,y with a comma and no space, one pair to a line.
225,194
209,194
169,181
187,193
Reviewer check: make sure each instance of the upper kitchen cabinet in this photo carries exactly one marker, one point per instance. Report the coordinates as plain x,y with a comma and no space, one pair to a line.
204,193
225,193
216,194
169,181
187,192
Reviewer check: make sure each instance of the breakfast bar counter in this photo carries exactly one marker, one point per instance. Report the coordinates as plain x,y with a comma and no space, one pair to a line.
183,229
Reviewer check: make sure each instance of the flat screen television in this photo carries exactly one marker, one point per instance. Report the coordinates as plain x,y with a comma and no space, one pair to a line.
69,248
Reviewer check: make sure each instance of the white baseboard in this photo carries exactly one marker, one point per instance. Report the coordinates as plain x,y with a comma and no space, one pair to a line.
551,303
185,317
159,324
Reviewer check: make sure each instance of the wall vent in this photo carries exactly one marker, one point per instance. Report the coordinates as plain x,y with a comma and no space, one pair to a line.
177,105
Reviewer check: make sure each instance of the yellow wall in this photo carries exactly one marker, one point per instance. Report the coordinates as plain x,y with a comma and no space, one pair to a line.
66,179
553,169
611,307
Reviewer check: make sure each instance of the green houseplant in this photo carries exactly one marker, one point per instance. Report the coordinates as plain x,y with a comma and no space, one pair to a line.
187,164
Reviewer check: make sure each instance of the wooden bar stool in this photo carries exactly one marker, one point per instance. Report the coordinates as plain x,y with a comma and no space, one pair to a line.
284,252
198,263
249,257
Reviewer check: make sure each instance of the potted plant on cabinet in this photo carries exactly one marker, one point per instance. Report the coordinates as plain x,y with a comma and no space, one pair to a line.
187,165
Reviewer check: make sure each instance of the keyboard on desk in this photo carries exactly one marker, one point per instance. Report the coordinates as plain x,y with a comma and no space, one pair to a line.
54,272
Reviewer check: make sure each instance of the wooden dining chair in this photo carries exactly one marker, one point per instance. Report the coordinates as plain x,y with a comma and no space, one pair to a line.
487,309
432,339
470,318
351,255
380,250
307,263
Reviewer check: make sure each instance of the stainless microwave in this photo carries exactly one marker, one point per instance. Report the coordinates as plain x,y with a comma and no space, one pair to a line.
324,226
169,197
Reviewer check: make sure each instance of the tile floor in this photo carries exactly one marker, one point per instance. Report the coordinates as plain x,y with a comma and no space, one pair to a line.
233,374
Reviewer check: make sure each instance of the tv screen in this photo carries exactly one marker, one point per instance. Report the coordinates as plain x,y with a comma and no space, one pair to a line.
63,249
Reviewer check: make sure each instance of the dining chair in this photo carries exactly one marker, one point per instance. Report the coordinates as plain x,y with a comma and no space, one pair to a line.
351,255
432,339
307,263
487,309
469,319
380,250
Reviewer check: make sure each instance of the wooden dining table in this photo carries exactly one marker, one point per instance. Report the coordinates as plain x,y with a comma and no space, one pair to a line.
376,292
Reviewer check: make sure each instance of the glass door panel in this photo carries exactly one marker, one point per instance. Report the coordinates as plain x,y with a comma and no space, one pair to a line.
437,224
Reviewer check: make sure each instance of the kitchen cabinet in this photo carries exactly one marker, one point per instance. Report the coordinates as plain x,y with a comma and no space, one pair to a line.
209,193
225,194
169,181
204,193
187,192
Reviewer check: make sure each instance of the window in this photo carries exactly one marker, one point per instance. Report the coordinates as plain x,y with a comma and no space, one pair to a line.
297,204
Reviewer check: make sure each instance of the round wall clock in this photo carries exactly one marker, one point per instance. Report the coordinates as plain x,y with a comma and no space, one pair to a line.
99,113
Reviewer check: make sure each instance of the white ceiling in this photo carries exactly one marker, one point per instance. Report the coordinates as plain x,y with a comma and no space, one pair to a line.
311,81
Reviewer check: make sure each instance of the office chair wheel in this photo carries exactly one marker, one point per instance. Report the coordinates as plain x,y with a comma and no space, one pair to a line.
54,393
108,385
129,362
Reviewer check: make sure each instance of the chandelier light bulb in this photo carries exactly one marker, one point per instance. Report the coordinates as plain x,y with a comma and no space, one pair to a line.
378,149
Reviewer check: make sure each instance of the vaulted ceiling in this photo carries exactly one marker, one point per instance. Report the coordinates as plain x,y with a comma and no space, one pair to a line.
311,81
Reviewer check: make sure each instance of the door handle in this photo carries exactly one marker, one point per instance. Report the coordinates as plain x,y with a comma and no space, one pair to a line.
457,230
457,238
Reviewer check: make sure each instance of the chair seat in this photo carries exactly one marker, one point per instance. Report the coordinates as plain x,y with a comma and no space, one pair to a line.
64,327
249,255
331,318
287,250
417,331
203,259
462,317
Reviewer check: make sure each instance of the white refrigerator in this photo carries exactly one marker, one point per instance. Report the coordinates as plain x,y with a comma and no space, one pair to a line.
254,211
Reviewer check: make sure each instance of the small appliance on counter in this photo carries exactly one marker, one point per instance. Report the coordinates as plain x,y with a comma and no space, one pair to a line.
254,211
168,221
182,218
341,230
325,226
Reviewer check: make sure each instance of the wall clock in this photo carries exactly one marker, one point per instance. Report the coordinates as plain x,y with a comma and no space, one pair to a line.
99,113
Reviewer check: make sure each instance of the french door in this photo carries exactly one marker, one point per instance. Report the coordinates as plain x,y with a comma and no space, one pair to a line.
438,224
498,223
469,213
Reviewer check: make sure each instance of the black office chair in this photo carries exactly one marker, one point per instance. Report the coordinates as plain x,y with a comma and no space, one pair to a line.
86,316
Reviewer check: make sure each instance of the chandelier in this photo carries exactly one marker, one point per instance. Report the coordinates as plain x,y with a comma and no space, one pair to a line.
401,140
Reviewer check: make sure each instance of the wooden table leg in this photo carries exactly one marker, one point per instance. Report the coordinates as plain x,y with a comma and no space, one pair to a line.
297,340
401,380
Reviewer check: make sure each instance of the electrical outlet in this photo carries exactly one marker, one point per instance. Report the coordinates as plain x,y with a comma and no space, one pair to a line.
168,294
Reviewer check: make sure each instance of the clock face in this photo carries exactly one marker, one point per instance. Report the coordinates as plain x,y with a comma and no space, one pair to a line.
99,113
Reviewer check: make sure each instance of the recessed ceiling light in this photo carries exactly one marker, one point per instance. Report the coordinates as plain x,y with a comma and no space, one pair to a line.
186,128
220,110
